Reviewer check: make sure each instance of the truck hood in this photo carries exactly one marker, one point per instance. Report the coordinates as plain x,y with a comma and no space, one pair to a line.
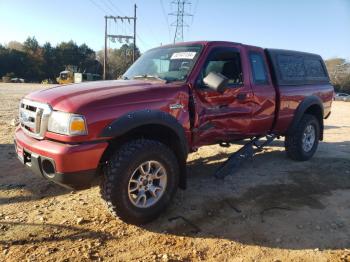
76,97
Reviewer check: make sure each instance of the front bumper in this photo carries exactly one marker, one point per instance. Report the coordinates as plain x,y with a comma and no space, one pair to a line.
70,165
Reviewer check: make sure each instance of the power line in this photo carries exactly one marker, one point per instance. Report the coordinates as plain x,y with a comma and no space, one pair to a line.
180,23
142,41
166,17
118,37
98,6
111,10
149,27
116,8
123,27
195,10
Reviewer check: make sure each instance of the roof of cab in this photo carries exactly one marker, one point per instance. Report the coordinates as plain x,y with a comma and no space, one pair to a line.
198,43
206,43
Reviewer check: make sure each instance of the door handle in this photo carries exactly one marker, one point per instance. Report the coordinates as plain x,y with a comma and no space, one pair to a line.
241,96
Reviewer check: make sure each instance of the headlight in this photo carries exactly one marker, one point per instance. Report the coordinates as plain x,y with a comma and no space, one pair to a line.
67,124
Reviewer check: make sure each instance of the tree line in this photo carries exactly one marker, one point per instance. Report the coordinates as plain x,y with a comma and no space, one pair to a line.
339,73
35,63
119,60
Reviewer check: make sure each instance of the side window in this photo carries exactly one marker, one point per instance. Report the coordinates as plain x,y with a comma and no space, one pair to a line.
314,68
225,61
291,67
258,68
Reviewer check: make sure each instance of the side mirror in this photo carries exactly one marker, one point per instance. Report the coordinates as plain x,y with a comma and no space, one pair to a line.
216,82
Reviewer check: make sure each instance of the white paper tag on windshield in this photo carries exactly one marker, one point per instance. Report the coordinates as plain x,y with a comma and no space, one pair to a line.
183,55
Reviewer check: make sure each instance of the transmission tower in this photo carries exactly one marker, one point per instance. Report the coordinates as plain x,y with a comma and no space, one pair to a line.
180,23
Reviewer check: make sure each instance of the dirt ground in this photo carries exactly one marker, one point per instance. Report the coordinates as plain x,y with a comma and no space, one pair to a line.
272,209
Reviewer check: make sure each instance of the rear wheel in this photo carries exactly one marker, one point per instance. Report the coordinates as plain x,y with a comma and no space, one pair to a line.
140,180
303,143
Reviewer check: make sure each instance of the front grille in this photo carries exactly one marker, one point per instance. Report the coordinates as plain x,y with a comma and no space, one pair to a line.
33,117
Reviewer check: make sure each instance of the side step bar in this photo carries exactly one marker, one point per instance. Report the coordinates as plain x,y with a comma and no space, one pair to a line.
246,152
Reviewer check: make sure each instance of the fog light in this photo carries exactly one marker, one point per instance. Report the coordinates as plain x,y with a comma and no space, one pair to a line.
48,168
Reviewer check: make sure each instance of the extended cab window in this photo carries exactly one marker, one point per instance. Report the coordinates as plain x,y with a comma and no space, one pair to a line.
258,68
225,61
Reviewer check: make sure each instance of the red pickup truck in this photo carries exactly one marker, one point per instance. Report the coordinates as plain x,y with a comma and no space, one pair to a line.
134,134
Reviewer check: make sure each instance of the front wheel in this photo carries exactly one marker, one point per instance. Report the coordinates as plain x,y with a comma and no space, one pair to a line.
302,144
140,180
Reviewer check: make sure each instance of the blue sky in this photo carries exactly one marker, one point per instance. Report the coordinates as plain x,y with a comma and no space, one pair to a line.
319,26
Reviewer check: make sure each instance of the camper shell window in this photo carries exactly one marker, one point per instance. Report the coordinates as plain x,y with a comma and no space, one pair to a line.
296,68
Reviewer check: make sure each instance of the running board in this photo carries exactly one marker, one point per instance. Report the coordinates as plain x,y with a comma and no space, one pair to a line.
246,152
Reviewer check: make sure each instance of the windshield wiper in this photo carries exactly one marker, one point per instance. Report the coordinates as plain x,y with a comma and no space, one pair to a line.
150,77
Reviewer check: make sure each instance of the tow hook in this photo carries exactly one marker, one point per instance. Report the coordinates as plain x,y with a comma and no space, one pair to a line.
224,144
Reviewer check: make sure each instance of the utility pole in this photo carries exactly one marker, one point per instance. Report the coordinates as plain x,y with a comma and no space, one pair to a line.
120,38
105,56
180,23
134,51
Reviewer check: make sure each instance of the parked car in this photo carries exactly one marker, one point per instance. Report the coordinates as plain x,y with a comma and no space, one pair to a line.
342,97
17,80
134,135
47,81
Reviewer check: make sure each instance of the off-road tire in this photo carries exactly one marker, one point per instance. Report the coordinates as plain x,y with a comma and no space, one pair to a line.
294,142
118,171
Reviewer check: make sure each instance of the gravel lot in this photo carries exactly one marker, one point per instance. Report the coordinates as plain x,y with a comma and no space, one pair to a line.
272,209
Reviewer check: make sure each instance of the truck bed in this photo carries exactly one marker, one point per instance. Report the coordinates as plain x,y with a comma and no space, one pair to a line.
297,75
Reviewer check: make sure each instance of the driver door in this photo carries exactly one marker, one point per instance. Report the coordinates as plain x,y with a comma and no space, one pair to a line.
223,117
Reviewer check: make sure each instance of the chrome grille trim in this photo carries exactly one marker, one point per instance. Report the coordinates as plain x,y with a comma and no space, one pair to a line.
34,117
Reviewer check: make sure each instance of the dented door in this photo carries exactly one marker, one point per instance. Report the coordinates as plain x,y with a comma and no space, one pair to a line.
223,116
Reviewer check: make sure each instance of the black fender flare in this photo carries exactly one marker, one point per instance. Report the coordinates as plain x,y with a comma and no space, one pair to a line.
139,118
300,111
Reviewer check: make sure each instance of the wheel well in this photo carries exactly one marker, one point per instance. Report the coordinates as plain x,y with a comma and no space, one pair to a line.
316,111
157,132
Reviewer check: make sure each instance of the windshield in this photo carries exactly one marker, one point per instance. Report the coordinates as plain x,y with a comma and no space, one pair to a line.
173,63
64,76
